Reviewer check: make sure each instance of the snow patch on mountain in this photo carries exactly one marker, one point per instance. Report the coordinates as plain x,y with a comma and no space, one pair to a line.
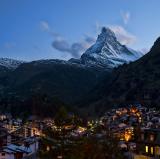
10,63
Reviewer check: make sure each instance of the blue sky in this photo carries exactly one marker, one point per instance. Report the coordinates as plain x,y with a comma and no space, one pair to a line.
41,29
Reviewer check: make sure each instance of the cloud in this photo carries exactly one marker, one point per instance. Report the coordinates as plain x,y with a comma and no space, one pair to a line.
123,35
98,27
74,49
44,26
90,39
61,44
125,17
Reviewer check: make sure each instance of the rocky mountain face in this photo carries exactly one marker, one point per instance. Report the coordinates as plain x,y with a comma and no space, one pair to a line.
138,82
107,52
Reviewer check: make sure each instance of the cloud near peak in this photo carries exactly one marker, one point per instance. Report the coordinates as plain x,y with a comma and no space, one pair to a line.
123,35
61,44
74,49
125,16
77,48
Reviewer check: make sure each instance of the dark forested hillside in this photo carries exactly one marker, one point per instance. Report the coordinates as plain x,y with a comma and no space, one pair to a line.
137,82
65,81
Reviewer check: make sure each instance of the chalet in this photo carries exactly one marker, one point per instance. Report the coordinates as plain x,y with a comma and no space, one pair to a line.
148,143
13,151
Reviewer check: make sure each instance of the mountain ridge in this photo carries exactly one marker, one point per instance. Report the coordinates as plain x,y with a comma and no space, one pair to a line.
107,52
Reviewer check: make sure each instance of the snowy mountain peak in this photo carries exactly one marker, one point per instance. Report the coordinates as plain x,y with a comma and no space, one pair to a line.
108,52
10,63
106,34
107,30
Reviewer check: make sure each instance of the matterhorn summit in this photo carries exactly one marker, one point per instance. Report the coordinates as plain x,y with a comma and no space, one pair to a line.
108,51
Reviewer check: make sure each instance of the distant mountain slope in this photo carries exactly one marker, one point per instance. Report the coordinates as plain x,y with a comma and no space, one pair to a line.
56,78
7,65
108,52
135,82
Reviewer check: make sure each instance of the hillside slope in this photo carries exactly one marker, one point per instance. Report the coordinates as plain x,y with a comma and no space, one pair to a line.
56,78
137,82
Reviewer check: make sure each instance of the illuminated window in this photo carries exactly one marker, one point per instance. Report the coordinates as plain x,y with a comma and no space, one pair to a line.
48,148
152,137
127,136
157,150
146,149
140,119
152,150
